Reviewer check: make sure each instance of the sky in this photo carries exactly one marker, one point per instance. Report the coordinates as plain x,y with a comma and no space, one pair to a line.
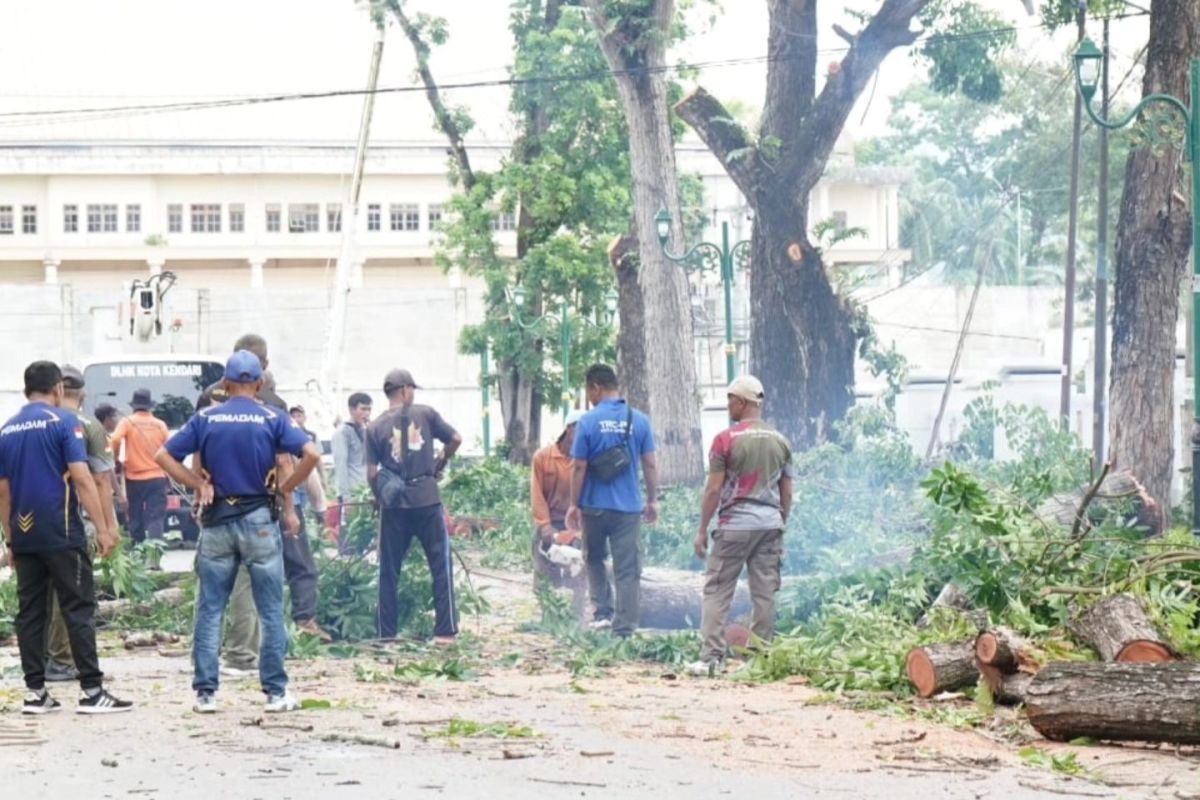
73,54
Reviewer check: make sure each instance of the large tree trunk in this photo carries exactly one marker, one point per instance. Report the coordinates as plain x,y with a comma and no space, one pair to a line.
635,47
1122,702
1119,629
802,339
1153,237
631,339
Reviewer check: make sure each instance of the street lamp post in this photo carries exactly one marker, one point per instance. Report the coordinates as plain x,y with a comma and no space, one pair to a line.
566,322
1088,60
705,256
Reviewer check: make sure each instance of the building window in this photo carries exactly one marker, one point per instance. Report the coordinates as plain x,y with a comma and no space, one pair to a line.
333,217
405,217
374,217
505,221
6,219
304,217
206,218
101,218
28,219
273,216
237,218
133,219
70,219
175,218
435,215
839,222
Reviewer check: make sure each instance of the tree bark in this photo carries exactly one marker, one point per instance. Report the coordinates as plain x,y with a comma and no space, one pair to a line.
1119,629
1121,702
631,338
634,46
1116,488
1008,689
802,335
1153,241
673,600
943,667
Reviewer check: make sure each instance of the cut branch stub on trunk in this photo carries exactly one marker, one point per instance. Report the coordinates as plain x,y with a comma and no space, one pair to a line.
1006,650
1119,629
944,667
1121,702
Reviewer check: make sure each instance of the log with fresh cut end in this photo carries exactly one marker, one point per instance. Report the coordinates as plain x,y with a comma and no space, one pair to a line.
1119,629
1006,650
1119,702
945,667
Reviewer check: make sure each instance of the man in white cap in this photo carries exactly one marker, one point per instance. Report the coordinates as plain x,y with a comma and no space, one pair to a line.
750,490
550,499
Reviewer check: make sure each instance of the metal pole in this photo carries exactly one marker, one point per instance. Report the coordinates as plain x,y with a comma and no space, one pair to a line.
1099,382
1194,152
485,380
330,363
727,284
1064,406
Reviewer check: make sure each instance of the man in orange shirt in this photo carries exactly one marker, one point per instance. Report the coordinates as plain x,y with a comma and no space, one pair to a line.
142,434
550,497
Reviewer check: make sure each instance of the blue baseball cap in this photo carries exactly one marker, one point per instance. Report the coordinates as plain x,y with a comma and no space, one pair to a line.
243,367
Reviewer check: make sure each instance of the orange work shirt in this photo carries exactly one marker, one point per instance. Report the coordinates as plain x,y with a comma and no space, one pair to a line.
550,486
142,434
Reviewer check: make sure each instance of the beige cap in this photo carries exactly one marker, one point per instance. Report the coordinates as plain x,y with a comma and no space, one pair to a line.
747,387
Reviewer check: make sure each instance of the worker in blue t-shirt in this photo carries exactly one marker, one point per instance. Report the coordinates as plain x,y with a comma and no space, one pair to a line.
607,502
44,478
237,442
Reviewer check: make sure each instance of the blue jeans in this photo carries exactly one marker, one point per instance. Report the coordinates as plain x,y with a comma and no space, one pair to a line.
253,540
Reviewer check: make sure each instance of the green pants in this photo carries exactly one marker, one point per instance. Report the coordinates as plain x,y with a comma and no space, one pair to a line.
604,530
761,553
58,644
243,636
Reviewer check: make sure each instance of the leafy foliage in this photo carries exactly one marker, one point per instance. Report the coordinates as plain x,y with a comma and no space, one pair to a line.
960,58
125,572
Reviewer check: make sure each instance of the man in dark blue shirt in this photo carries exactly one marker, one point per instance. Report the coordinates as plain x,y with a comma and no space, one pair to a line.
44,478
237,442
610,506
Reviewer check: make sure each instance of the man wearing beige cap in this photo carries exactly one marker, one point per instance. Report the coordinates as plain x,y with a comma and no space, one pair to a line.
403,470
750,490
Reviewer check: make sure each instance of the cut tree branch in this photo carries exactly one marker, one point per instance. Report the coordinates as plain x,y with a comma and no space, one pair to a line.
445,120
728,140
802,166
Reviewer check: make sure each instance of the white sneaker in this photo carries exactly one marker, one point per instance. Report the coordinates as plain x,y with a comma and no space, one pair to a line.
206,703
703,669
237,672
279,703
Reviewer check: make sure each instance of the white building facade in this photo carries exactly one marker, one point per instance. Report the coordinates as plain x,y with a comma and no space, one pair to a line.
252,232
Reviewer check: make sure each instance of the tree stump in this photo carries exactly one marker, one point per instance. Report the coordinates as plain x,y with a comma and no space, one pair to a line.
1121,702
1006,650
1119,629
942,667
1007,689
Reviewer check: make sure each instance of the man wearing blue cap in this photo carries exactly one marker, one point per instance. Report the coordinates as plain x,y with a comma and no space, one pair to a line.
237,442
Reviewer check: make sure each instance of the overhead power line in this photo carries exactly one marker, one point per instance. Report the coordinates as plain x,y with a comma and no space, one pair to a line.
93,112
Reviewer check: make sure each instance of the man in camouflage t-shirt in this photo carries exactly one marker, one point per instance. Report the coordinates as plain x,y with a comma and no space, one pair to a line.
750,490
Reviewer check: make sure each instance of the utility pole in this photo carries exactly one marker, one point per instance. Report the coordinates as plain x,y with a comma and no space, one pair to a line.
1064,407
1100,382
331,373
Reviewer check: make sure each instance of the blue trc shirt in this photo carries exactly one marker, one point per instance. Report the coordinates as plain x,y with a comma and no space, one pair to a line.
35,448
237,442
603,428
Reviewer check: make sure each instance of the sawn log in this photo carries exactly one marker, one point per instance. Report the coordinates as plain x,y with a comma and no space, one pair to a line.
942,667
1119,629
1120,702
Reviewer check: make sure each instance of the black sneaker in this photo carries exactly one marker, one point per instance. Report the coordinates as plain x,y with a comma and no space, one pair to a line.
102,703
58,672
42,703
